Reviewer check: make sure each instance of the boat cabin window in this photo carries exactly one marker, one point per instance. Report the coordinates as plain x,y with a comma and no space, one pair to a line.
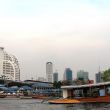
108,90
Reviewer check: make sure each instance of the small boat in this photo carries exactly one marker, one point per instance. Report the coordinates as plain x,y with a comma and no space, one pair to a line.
81,100
9,95
2,95
90,93
63,101
39,96
25,97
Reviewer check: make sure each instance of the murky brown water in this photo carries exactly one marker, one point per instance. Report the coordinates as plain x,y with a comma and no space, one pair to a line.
30,104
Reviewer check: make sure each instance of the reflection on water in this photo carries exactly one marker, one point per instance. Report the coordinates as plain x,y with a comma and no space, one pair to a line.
88,106
30,104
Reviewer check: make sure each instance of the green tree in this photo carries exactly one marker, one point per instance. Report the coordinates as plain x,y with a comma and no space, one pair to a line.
66,82
57,85
106,75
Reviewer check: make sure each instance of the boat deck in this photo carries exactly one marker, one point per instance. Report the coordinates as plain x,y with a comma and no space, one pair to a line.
81,100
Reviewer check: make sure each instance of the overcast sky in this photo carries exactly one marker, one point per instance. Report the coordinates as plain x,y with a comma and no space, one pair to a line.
69,33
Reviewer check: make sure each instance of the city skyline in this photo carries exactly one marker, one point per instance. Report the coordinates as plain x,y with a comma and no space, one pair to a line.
71,34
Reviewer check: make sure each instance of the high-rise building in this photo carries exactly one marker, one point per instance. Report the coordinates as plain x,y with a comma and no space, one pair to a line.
68,74
49,71
98,77
9,67
83,75
55,77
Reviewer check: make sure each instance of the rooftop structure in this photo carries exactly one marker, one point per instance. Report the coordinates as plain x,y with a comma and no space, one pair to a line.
87,85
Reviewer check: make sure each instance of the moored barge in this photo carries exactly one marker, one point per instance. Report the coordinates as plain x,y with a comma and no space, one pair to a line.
90,93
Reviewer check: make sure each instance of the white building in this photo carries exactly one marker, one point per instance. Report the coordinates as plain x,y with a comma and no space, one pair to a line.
9,67
49,71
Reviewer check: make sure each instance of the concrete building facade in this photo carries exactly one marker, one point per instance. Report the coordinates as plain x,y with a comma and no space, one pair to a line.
55,77
98,77
83,75
49,71
68,74
9,66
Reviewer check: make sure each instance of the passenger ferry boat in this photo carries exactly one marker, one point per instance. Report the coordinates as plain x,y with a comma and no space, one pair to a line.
89,93
2,95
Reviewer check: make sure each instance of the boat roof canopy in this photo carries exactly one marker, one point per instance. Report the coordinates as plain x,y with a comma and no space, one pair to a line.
85,86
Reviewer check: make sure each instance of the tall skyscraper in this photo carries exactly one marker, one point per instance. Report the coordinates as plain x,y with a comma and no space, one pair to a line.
83,75
55,77
68,74
49,71
98,77
9,67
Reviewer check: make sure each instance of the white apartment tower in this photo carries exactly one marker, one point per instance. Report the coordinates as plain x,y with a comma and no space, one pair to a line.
49,71
9,67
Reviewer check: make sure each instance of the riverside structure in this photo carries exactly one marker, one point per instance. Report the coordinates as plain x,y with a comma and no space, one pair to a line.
85,94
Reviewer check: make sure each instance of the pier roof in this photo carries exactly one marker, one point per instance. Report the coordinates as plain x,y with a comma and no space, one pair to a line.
85,86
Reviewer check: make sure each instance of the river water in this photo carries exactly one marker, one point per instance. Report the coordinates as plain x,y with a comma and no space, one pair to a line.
30,104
